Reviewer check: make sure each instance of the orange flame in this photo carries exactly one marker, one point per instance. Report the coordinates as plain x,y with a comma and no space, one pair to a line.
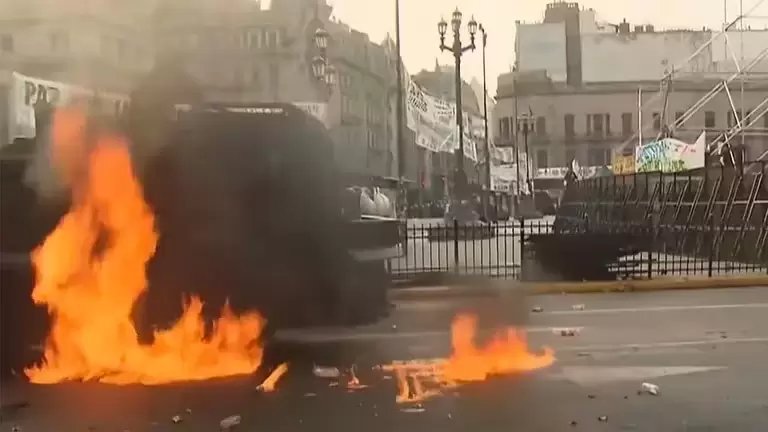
91,270
506,353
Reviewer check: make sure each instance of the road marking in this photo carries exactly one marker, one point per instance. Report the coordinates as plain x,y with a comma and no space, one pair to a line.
656,309
597,375
587,348
346,336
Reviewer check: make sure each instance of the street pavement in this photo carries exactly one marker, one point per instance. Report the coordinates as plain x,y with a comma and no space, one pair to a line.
705,349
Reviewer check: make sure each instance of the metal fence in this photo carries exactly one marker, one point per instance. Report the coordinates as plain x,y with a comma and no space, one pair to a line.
492,250
704,222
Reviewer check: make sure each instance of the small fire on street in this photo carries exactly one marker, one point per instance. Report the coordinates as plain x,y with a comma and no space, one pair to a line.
91,270
506,353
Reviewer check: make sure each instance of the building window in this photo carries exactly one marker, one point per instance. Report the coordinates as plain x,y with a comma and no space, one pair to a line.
710,120
596,157
657,121
505,129
626,124
541,125
608,124
570,127
608,157
6,43
542,159
570,156
678,116
59,41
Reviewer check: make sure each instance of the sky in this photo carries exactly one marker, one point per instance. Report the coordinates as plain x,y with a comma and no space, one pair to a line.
420,40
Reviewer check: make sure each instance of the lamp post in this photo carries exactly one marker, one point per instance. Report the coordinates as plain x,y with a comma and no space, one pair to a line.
323,71
524,124
487,195
457,49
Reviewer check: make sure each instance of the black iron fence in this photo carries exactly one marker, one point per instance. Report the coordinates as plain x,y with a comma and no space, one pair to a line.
707,222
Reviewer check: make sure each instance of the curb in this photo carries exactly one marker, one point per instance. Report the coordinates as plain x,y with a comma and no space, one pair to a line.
499,288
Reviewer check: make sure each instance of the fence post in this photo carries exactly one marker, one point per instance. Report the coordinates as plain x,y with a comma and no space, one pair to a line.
521,241
711,241
456,245
651,247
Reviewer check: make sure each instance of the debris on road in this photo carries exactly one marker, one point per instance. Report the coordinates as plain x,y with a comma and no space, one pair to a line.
176,419
537,309
566,331
650,388
326,372
354,382
16,429
574,423
592,396
310,394
578,307
188,411
603,419
269,384
229,422
418,408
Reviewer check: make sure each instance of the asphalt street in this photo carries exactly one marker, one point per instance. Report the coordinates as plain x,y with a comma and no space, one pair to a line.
705,349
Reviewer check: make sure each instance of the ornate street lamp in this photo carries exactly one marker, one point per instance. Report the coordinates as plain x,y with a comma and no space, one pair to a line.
458,50
323,72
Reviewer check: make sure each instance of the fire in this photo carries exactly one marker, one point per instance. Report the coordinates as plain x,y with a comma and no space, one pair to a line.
91,270
506,353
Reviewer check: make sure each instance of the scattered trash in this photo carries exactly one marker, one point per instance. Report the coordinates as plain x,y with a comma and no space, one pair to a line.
418,408
354,382
567,331
650,388
176,419
269,384
578,307
450,416
326,372
537,309
229,422
603,419
310,394
592,396
574,423
188,411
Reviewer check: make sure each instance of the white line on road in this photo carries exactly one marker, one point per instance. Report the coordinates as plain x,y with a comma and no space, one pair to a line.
342,336
587,348
656,309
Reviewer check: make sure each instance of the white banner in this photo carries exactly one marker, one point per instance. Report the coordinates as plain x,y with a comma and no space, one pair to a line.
318,110
670,155
27,92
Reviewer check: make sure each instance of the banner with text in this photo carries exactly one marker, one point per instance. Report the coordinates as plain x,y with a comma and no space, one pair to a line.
28,93
670,155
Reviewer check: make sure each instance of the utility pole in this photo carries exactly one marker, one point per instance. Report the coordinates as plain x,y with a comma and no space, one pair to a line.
401,168
487,197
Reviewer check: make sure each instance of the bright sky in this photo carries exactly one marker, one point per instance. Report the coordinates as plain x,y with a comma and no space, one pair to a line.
419,19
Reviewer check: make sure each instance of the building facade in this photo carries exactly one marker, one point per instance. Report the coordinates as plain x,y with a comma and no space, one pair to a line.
583,82
590,123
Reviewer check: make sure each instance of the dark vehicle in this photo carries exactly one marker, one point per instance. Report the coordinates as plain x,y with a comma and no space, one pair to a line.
250,208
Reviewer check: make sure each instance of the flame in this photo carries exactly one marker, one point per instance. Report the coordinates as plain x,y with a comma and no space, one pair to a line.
506,353
90,271
271,381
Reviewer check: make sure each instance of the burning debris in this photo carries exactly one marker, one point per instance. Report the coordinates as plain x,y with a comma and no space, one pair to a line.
91,270
506,353
354,383
271,381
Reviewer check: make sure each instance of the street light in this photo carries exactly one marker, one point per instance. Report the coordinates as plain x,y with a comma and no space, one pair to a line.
322,71
458,50
487,196
525,123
